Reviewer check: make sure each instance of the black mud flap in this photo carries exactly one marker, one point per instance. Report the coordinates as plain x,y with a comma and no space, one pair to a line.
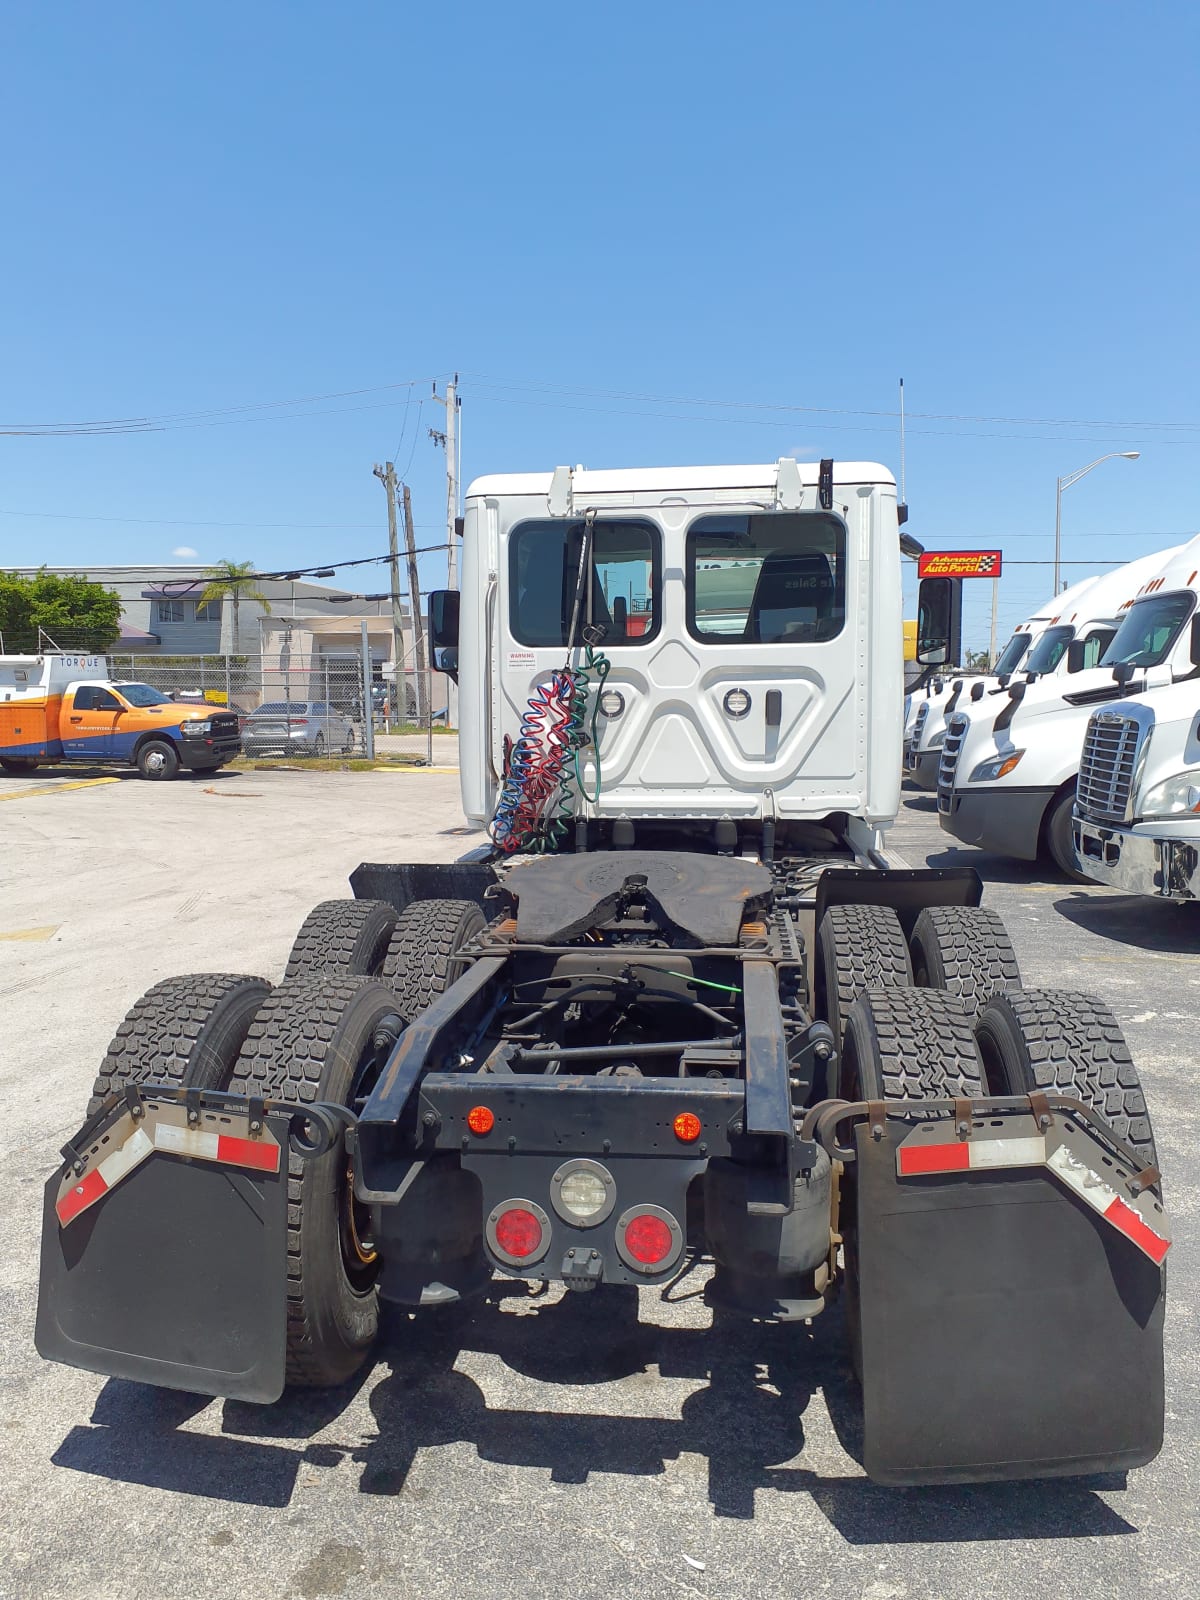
1008,1329
164,1251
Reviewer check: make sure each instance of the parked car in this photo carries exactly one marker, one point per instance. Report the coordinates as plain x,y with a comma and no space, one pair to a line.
297,727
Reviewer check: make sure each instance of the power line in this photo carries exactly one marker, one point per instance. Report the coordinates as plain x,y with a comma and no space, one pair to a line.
829,427
187,522
843,411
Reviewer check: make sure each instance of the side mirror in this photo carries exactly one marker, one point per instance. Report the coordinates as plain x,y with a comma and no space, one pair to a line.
1076,656
1123,671
1195,650
443,631
935,621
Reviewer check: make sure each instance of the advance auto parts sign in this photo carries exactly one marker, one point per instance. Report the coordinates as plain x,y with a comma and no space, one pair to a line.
959,564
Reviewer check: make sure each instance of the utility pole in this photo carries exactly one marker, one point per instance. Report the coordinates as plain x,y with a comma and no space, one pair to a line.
387,476
449,442
424,687
992,639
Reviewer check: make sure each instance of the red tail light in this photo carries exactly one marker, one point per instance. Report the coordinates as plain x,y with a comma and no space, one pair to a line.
649,1239
518,1233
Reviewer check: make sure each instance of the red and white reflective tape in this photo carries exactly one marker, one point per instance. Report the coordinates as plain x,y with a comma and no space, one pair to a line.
1091,1187
970,1155
917,1159
261,1154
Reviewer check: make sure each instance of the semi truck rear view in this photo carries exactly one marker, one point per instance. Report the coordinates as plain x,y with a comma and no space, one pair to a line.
684,1009
64,708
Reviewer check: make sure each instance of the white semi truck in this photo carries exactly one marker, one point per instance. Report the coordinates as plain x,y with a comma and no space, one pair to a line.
1037,648
683,1012
1137,804
1006,780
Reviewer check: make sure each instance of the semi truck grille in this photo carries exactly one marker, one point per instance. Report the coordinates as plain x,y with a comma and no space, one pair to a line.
914,738
956,732
1106,767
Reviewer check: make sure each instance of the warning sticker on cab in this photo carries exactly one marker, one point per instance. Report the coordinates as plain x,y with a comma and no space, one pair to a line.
521,660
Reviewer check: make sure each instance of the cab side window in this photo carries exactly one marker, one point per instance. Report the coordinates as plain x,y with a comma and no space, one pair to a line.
93,699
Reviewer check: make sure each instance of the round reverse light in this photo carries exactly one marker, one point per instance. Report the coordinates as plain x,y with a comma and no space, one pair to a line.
648,1239
518,1231
583,1193
612,703
737,703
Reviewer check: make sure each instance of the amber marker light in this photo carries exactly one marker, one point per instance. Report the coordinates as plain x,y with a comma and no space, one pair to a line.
481,1120
687,1127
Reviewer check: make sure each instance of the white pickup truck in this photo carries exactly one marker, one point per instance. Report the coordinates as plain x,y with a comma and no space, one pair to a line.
1137,803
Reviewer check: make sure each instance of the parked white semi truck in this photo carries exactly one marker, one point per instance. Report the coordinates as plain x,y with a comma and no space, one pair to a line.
1006,780
682,1013
1037,648
1137,804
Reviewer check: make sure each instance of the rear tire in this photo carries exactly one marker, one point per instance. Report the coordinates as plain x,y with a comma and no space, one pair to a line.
316,1041
158,760
341,938
964,950
419,963
910,1044
1056,837
1065,1043
16,764
185,1031
858,948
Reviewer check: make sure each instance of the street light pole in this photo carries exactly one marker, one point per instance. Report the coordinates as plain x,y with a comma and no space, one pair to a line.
1065,483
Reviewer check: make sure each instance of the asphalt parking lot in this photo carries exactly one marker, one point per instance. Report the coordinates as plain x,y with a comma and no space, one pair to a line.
538,1446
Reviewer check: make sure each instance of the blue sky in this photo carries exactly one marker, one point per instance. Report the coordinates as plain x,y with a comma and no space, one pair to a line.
600,216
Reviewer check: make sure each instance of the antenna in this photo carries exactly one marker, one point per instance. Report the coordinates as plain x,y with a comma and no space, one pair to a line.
903,495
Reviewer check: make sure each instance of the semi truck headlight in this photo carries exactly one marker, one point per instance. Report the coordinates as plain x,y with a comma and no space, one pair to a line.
1175,797
996,767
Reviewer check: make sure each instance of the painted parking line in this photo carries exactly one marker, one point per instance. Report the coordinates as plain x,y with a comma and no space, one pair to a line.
28,792
416,768
29,935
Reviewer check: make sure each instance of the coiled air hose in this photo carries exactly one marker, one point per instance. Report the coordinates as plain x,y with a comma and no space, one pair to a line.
543,777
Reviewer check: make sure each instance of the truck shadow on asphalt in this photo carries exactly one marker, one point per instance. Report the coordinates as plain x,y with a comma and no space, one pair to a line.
747,1420
1156,925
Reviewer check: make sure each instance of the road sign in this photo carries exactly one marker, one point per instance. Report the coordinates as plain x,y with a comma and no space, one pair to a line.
959,564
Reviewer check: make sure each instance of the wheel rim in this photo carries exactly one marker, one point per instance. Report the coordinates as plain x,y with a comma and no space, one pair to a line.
360,1259
156,761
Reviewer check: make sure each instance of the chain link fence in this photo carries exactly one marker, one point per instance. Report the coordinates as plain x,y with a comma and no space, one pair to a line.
293,704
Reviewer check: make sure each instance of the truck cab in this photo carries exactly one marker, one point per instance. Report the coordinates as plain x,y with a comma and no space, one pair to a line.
1137,804
66,709
1006,780
741,634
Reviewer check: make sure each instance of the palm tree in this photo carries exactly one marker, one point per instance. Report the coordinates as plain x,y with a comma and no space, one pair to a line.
235,579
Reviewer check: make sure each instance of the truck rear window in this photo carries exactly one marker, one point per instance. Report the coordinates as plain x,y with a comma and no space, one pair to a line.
621,601
770,578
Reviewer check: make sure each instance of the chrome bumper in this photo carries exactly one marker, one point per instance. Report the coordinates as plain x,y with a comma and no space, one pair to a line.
1138,863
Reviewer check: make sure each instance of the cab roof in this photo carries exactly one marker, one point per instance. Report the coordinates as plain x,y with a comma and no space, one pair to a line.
676,480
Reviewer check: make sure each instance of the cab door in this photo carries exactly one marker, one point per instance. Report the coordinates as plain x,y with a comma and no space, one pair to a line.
89,722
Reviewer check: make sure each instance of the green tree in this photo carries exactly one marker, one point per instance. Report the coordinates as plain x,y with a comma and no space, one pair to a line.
976,660
74,612
235,580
